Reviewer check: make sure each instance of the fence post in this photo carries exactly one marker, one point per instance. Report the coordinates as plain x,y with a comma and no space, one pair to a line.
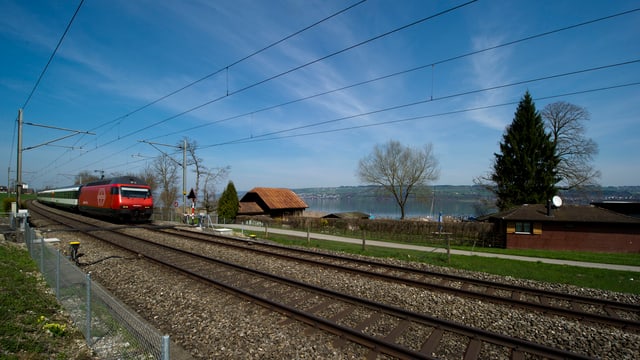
29,245
88,320
364,237
448,249
58,274
41,251
165,348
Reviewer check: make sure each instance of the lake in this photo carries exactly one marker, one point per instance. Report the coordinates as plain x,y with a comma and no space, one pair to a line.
386,207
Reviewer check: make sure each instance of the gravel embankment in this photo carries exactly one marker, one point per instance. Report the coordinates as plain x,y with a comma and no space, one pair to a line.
209,323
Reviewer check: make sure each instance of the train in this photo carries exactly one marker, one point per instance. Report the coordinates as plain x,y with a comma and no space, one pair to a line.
125,199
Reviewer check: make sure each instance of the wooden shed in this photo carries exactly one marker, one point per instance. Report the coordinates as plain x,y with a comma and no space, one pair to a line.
274,202
580,228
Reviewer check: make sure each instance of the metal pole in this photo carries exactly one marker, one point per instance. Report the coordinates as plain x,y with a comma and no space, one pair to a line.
26,234
184,177
88,324
165,347
58,274
19,168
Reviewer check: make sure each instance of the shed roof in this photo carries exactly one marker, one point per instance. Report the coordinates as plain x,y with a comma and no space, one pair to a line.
567,213
277,198
249,208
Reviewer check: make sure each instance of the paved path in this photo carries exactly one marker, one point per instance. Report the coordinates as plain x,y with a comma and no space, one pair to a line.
317,236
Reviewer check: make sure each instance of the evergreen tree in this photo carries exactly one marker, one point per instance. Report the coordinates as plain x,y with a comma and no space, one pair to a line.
525,172
228,204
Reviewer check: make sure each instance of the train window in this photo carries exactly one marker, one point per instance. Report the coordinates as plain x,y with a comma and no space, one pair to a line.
135,192
114,191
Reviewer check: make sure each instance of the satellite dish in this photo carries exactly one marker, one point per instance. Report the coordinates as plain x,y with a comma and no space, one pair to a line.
557,201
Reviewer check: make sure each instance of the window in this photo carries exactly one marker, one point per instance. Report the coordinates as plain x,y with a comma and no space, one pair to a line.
131,192
523,228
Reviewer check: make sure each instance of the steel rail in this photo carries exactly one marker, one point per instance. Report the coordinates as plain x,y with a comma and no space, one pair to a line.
545,297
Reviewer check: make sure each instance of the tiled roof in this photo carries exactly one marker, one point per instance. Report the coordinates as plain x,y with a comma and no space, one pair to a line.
277,198
566,213
249,208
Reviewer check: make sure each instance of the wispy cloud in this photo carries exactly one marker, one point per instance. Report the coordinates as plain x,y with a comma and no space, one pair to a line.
489,69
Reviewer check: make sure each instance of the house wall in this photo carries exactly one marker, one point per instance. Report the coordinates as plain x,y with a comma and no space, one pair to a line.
580,237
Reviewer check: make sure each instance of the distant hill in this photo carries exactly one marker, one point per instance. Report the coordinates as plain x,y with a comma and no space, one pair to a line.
472,193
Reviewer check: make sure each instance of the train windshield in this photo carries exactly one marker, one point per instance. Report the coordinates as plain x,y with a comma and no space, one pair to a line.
132,192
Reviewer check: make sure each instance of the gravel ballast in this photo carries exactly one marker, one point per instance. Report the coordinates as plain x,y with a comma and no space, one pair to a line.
210,323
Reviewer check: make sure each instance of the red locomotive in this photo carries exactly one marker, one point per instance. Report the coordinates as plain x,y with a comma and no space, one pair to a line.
124,198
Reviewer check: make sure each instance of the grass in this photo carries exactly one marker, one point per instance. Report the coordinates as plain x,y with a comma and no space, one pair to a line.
612,280
32,325
630,259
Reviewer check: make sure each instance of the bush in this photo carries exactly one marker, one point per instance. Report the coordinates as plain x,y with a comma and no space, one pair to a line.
405,231
6,204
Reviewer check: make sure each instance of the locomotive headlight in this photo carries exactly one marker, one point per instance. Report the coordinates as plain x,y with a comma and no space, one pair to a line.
125,206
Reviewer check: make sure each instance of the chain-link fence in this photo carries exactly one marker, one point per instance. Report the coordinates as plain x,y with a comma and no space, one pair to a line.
112,330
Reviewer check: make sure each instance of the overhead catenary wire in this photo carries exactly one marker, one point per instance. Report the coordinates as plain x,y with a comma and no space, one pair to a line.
351,47
296,68
225,68
53,54
265,137
432,99
388,122
44,70
398,73
320,59
401,120
236,62
261,137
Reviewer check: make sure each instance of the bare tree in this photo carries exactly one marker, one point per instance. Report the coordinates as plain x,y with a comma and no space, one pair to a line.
166,170
86,176
149,177
211,178
195,161
565,122
399,170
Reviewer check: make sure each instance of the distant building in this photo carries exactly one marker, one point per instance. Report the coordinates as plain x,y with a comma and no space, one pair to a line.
3,189
580,228
274,202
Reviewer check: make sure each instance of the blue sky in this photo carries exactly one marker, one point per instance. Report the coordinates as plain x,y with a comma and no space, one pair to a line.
292,114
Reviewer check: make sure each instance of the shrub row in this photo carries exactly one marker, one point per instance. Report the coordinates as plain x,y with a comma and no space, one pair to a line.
405,231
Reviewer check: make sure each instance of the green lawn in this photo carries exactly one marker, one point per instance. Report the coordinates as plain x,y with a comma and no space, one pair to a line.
31,323
620,281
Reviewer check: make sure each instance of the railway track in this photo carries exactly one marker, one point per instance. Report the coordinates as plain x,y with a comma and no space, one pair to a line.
382,328
598,311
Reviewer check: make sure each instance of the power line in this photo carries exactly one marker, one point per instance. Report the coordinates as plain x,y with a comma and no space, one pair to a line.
248,140
351,47
52,55
408,119
368,81
403,72
264,137
226,68
429,100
